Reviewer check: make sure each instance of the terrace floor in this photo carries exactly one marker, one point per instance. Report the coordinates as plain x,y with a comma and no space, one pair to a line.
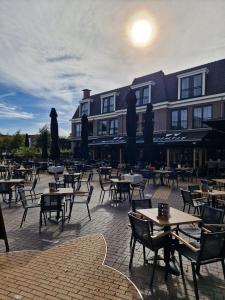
112,222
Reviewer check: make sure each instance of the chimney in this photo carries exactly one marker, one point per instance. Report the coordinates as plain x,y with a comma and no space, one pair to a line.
86,93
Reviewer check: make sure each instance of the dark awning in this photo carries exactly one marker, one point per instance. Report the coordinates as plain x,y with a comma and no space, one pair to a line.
217,124
180,137
159,138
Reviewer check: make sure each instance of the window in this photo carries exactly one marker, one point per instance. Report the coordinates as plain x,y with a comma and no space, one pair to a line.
191,86
179,119
102,127
113,126
108,104
138,96
142,96
78,130
145,95
90,128
201,114
84,109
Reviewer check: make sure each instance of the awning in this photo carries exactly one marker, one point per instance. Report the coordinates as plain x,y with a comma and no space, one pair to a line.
180,137
217,124
158,139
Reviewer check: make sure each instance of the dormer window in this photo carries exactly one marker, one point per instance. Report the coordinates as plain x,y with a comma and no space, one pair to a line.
143,92
108,103
84,108
191,84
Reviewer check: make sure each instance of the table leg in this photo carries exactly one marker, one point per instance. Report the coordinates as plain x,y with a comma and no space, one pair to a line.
161,179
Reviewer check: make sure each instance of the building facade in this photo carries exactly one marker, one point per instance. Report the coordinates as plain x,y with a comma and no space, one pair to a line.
182,103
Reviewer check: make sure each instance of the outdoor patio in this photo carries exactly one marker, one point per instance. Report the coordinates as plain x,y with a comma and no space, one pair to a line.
112,222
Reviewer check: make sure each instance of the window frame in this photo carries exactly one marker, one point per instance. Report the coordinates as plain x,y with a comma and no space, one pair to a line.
191,87
115,128
202,113
100,132
140,99
77,125
179,121
87,110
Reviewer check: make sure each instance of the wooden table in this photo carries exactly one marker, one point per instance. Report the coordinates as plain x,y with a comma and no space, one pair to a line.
119,182
176,217
220,181
162,174
12,181
213,194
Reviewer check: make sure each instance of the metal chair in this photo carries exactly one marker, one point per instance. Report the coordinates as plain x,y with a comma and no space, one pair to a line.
211,218
31,190
5,189
195,203
27,203
211,250
49,204
77,199
86,180
141,233
139,187
105,187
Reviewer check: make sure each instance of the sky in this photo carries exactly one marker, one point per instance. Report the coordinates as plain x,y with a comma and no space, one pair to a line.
51,50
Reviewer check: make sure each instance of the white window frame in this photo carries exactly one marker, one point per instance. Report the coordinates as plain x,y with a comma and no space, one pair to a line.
202,71
114,94
148,84
82,102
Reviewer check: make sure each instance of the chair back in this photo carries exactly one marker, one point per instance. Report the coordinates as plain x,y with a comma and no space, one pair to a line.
68,180
51,202
90,194
186,196
212,246
90,177
141,203
22,197
140,228
123,187
193,188
5,188
211,215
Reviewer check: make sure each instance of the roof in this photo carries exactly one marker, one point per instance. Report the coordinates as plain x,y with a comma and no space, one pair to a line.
165,86
217,124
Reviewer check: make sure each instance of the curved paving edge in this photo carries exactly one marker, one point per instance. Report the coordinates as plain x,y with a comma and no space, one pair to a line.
72,270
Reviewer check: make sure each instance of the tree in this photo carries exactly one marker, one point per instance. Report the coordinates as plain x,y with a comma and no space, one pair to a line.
55,151
148,134
131,125
16,141
44,141
84,137
26,142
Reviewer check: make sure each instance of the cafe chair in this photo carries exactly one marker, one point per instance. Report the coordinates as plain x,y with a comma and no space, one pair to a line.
139,188
5,190
172,178
141,234
211,250
211,218
31,190
27,203
123,190
105,187
86,181
79,198
195,203
52,203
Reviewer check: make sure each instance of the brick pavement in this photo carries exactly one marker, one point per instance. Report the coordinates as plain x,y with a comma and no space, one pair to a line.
72,270
112,222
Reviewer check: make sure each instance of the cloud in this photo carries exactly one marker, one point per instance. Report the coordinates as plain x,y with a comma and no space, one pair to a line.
63,58
7,95
7,111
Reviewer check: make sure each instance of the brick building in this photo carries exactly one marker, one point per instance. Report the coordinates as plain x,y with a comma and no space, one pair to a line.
182,102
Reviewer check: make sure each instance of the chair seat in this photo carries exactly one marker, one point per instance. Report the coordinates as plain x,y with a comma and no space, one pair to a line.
185,251
191,231
32,205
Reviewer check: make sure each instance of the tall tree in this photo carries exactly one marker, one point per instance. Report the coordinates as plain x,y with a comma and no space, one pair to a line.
84,137
55,151
131,124
43,141
148,134
26,142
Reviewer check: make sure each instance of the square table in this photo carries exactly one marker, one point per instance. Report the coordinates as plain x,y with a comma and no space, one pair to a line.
176,217
213,194
133,178
162,174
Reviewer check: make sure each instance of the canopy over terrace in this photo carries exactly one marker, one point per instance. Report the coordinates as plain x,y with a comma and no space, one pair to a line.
114,147
217,124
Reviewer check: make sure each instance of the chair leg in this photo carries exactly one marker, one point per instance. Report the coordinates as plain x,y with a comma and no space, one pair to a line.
88,212
154,266
23,218
144,254
40,222
131,239
223,266
195,281
132,254
181,266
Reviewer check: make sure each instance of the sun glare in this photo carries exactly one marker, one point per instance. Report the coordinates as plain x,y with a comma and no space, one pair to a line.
141,33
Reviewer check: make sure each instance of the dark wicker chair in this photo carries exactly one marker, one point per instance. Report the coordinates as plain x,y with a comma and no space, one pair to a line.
195,203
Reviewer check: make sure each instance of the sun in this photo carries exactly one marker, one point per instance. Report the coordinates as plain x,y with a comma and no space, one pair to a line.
141,33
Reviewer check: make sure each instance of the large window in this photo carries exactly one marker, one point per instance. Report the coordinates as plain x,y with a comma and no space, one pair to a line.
78,130
102,127
179,119
113,126
142,95
84,109
108,104
201,114
191,86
